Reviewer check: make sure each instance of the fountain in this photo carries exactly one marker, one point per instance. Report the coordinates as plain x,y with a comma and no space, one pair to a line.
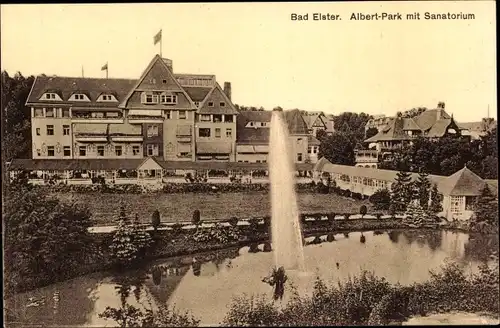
286,234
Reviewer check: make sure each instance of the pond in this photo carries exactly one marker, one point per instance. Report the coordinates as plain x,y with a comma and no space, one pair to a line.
206,283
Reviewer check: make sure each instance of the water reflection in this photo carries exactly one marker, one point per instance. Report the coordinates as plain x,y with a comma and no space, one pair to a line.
55,304
401,256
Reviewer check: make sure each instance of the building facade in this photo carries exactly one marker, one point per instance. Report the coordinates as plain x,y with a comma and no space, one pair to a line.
173,118
401,131
460,190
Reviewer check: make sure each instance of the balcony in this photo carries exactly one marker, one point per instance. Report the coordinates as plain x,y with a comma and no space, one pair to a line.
144,119
89,118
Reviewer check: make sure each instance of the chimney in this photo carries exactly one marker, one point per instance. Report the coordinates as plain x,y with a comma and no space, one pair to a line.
227,89
440,109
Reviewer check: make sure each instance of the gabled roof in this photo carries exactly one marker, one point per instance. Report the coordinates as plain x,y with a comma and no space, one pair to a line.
155,59
393,131
462,183
296,123
439,128
67,86
433,122
429,117
410,124
228,109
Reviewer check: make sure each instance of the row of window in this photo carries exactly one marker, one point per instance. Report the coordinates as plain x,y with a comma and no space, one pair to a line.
164,98
77,97
363,181
258,124
181,114
52,112
216,118
82,150
313,149
199,82
50,130
207,132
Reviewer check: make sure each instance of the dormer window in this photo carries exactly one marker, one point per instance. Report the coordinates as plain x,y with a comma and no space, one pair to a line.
222,104
149,98
79,97
210,104
50,96
168,99
107,98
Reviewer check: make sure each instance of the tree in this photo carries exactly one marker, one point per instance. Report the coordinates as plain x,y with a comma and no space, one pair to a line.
436,200
321,135
16,117
401,191
196,217
45,239
155,220
422,189
371,132
338,149
381,199
486,208
129,241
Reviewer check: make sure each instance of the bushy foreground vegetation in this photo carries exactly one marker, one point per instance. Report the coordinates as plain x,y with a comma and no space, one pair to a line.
362,300
370,300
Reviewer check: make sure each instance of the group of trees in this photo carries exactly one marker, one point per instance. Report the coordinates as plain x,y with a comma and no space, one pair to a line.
46,240
16,118
349,134
412,197
447,155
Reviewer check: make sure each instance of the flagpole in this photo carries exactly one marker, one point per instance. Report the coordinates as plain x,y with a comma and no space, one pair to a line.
107,68
82,72
161,38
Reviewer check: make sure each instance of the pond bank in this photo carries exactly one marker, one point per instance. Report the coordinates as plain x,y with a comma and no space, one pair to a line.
182,242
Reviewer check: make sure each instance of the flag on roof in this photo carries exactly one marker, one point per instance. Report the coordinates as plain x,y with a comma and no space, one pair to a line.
157,37
105,67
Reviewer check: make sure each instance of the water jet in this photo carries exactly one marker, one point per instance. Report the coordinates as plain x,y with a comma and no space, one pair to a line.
286,235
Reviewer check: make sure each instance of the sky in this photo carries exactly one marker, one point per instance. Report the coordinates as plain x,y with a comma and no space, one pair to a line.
375,66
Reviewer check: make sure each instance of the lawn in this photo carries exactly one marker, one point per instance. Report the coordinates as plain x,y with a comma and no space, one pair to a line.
179,207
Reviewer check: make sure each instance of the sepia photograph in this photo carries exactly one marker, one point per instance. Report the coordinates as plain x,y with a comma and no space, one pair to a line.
249,164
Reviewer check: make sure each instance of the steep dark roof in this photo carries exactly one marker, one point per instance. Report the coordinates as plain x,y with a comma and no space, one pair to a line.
197,93
66,86
429,117
393,131
432,122
252,135
228,109
296,123
463,183
257,135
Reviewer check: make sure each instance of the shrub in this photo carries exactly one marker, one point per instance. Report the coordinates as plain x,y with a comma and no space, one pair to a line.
233,221
363,210
155,219
381,199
